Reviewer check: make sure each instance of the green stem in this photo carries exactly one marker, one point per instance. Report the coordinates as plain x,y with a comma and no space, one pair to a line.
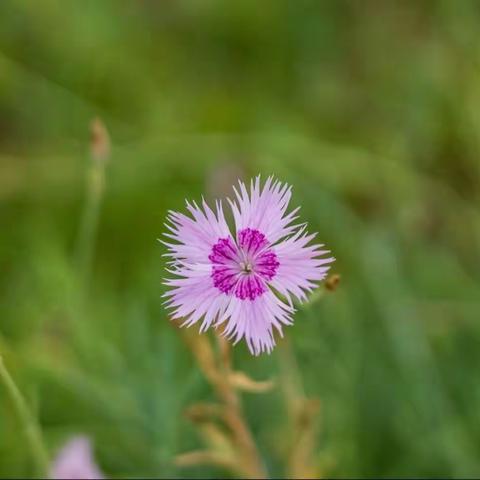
89,223
32,430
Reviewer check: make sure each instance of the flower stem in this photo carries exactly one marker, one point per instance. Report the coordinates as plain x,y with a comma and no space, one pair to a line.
248,462
99,153
31,428
253,465
89,222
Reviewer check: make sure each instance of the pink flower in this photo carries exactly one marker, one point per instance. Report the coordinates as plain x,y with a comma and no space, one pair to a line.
244,281
75,461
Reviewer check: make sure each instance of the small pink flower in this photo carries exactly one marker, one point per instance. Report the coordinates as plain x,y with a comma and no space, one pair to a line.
75,461
245,281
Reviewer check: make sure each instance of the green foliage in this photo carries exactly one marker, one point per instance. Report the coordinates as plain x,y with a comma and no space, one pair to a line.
370,109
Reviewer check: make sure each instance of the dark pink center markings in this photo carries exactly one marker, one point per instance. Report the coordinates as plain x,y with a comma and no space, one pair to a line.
242,268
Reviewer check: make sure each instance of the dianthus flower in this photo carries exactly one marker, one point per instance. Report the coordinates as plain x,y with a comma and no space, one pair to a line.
247,280
75,461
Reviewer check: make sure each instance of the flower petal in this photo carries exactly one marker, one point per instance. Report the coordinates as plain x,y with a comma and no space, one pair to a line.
194,297
195,236
264,208
300,265
255,320
75,460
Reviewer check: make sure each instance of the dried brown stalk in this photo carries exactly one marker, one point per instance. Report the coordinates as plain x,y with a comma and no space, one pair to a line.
203,457
235,449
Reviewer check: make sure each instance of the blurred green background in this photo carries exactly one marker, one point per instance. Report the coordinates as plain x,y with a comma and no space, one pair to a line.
369,108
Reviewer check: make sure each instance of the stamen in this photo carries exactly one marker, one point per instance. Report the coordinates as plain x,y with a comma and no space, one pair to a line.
243,268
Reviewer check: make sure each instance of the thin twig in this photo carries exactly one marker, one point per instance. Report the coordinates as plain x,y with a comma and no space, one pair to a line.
31,428
99,153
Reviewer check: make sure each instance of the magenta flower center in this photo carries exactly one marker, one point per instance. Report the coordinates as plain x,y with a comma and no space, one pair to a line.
242,268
